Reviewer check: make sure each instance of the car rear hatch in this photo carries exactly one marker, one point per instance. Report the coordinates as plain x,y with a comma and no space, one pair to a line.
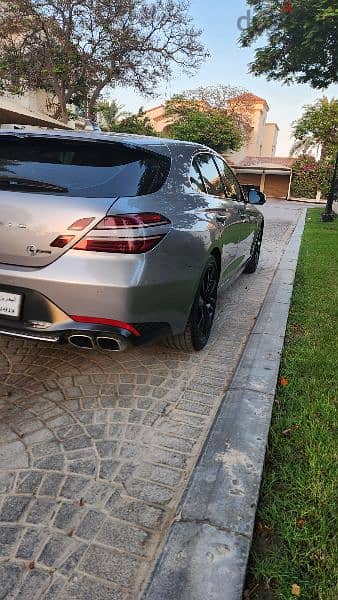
53,190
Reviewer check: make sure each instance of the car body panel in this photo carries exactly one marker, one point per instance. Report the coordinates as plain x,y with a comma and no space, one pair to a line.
154,287
26,234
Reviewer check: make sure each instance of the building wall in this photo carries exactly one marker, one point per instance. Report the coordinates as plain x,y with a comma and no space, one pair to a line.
270,137
35,100
157,118
262,140
260,113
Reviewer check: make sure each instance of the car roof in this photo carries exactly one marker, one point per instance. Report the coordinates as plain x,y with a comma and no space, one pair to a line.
123,138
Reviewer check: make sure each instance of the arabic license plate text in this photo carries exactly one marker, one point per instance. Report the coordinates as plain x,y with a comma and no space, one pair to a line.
10,304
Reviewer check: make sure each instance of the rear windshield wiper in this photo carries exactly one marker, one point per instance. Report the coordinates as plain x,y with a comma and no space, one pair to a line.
7,183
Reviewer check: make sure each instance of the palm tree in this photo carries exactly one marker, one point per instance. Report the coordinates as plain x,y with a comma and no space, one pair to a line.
109,114
305,146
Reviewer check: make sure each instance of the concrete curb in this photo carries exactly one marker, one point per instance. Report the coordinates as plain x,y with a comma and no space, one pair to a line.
207,547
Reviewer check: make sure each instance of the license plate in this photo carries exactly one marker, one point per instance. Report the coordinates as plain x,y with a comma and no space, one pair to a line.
10,304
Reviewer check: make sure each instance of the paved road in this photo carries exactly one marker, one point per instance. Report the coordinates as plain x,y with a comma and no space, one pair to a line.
96,450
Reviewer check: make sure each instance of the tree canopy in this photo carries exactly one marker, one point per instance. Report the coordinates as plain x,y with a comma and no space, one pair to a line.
301,41
76,49
231,100
194,120
317,128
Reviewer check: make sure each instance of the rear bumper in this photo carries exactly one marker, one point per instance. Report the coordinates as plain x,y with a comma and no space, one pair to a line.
42,320
148,288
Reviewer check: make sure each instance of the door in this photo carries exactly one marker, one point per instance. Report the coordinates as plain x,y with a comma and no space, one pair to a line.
221,210
245,224
277,186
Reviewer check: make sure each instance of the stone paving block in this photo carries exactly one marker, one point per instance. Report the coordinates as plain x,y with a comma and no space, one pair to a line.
70,563
81,587
90,524
107,449
98,493
30,543
149,492
53,462
109,468
135,512
53,550
54,590
13,508
169,458
172,442
85,466
74,487
123,536
194,407
28,482
41,511
10,575
13,456
51,484
67,516
159,474
34,584
109,564
9,536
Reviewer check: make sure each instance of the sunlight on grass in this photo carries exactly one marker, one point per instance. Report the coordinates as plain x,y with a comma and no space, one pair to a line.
296,527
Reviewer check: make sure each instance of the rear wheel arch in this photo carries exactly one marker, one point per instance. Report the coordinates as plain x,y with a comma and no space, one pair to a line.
217,254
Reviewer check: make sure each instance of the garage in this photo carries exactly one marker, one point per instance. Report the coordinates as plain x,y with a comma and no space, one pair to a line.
249,179
271,175
277,186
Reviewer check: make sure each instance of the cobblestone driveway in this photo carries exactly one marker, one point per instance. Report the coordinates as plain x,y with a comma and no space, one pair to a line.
96,450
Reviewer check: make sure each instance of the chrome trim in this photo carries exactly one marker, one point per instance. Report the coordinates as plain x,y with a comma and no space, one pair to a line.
30,336
121,343
80,335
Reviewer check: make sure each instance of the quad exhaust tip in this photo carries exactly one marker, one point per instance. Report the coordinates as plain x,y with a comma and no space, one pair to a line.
111,343
85,342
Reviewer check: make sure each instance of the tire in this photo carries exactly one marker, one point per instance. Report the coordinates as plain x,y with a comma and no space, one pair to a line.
253,261
197,332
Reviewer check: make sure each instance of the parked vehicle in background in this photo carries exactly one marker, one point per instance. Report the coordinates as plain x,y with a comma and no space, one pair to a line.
112,240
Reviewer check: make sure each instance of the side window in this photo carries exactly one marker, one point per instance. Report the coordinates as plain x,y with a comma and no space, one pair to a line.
232,189
196,178
210,174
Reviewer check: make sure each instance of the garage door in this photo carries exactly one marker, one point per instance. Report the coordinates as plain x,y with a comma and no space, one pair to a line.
248,179
277,186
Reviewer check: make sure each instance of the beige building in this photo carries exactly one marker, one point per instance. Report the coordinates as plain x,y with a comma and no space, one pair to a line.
31,108
256,162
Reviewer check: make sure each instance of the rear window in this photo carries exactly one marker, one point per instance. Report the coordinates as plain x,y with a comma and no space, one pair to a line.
87,169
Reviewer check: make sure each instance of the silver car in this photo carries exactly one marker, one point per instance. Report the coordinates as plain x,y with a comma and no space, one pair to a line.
111,240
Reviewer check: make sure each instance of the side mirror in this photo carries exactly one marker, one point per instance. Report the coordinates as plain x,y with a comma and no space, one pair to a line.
256,197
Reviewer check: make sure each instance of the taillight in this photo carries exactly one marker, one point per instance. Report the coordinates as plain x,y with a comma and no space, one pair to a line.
81,224
126,234
132,221
62,240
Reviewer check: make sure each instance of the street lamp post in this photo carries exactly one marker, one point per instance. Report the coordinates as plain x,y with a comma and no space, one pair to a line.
329,215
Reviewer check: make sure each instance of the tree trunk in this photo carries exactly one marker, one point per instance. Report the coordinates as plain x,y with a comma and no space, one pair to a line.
329,215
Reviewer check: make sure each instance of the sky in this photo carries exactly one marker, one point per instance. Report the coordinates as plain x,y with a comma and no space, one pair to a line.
228,64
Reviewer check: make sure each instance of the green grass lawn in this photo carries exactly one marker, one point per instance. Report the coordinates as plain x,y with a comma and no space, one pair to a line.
296,526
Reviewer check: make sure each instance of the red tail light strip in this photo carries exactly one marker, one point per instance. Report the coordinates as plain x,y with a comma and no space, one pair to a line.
81,224
132,220
119,245
62,241
132,233
102,321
